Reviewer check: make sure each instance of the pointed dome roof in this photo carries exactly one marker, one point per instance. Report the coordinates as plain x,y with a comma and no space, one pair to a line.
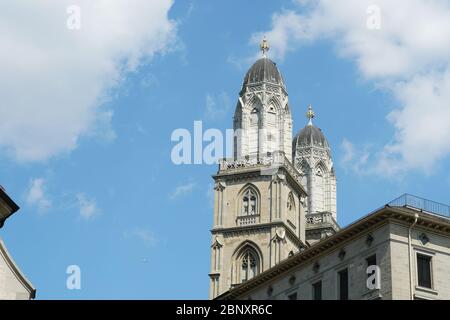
310,136
263,70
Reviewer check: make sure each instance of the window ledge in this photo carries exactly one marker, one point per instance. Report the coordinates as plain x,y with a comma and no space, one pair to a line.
427,290
214,274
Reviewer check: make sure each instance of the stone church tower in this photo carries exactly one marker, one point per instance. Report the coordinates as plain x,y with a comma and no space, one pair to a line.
260,198
312,158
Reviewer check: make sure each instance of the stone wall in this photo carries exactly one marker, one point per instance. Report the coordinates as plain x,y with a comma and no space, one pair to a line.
329,264
437,246
13,286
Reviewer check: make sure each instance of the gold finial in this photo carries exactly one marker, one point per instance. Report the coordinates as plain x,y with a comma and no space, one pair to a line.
264,46
310,114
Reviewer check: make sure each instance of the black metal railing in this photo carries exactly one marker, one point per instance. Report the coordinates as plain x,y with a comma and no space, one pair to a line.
408,200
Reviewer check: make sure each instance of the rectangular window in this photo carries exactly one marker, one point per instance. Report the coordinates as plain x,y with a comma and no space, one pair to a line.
293,296
317,290
343,284
424,271
371,261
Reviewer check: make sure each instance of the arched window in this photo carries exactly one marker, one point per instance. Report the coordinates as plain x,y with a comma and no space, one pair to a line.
249,265
272,116
291,208
303,167
253,138
272,109
304,171
319,172
291,202
320,187
246,262
254,117
249,203
235,147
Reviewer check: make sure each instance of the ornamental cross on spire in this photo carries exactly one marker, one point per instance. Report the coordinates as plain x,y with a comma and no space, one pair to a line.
310,114
264,46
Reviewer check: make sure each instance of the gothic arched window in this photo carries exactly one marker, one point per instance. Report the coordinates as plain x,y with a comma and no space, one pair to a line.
319,172
272,109
254,117
303,167
253,132
249,265
291,202
291,208
320,187
249,203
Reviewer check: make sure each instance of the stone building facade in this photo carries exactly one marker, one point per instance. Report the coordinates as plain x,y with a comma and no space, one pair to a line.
410,247
13,284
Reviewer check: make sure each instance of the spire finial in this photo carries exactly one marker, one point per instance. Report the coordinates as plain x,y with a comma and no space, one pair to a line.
264,46
310,114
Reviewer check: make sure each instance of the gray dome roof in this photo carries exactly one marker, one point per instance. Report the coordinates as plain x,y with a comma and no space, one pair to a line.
263,70
310,136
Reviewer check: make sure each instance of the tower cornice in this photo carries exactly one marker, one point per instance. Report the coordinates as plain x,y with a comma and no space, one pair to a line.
259,167
262,227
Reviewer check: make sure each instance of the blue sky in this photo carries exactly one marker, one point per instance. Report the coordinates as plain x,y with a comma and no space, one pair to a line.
86,118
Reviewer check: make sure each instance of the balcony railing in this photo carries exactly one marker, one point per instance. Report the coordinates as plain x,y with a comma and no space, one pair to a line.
320,218
247,220
268,164
408,200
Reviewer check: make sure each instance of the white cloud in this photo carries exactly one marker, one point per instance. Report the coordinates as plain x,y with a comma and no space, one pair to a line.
408,57
55,80
287,28
146,236
182,190
354,158
348,150
36,195
217,106
422,125
88,207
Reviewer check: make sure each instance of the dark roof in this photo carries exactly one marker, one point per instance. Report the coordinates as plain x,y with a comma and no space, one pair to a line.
310,135
13,207
264,70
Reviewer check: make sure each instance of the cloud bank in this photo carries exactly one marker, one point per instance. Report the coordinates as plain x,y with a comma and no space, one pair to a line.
54,79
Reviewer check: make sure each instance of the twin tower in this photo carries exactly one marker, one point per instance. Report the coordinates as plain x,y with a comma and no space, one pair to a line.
277,195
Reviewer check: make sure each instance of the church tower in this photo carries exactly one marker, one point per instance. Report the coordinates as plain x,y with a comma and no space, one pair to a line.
259,209
312,158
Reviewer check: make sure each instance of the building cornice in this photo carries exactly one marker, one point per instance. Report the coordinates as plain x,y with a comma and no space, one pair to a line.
261,226
16,271
261,170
